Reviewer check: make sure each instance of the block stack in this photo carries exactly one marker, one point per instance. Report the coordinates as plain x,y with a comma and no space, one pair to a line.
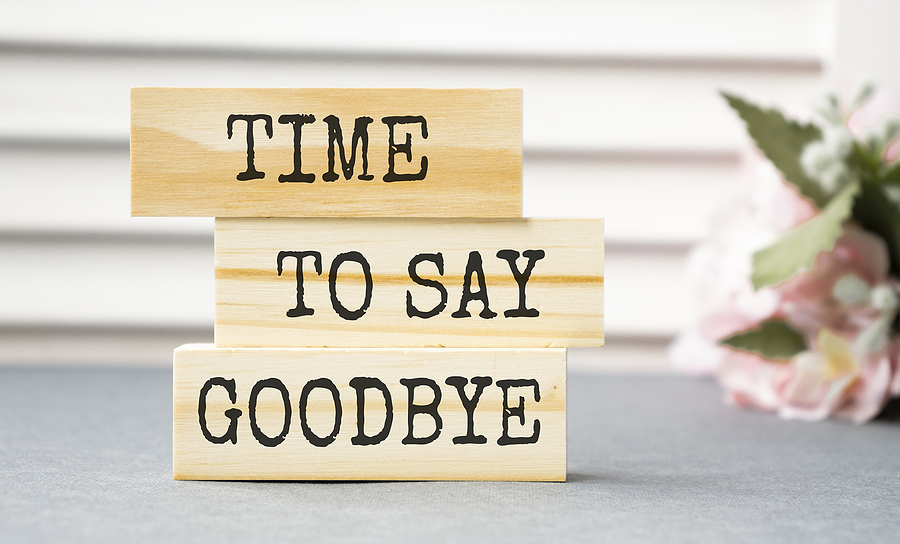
383,311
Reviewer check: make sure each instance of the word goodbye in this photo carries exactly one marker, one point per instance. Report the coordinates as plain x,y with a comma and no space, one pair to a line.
378,388
474,267
366,413
360,136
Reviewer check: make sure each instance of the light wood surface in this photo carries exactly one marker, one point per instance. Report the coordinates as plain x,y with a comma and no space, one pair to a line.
463,146
564,288
483,30
295,457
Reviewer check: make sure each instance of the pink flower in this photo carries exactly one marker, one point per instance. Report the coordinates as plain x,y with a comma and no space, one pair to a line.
815,384
807,300
843,307
719,268
838,376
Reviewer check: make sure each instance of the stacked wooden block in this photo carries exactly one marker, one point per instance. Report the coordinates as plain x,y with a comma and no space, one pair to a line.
383,311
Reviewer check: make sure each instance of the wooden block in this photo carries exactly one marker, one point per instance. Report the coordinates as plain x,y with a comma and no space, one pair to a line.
324,414
409,283
326,152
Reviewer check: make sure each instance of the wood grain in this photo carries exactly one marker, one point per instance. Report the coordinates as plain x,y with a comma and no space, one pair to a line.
184,164
297,458
564,289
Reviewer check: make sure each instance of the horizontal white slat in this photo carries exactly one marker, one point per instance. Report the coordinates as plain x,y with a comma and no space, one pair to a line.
122,346
621,120
702,28
645,292
137,283
644,200
649,200
567,106
105,282
620,355
77,190
96,346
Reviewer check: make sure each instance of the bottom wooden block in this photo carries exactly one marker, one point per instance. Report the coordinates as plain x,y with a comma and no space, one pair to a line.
369,414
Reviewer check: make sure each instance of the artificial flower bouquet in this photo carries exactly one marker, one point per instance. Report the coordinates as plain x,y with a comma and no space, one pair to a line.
797,287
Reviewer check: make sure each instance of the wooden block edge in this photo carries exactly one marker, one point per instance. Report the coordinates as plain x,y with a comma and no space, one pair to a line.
560,477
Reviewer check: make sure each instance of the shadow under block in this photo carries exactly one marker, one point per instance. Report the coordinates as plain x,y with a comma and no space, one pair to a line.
409,282
271,414
392,152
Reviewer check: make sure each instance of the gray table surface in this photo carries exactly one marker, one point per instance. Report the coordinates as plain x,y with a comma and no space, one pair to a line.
85,456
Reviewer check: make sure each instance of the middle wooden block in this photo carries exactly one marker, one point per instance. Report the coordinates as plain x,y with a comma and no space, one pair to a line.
357,282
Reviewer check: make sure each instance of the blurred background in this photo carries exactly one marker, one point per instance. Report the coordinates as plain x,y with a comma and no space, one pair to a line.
622,120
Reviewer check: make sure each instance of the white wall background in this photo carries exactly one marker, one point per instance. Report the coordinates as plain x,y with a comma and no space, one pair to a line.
621,120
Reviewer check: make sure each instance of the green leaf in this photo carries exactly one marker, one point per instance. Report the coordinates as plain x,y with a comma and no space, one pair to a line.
782,141
797,250
877,214
891,174
773,339
864,161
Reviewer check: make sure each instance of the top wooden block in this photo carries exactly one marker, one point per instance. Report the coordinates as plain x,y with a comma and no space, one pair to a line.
326,152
